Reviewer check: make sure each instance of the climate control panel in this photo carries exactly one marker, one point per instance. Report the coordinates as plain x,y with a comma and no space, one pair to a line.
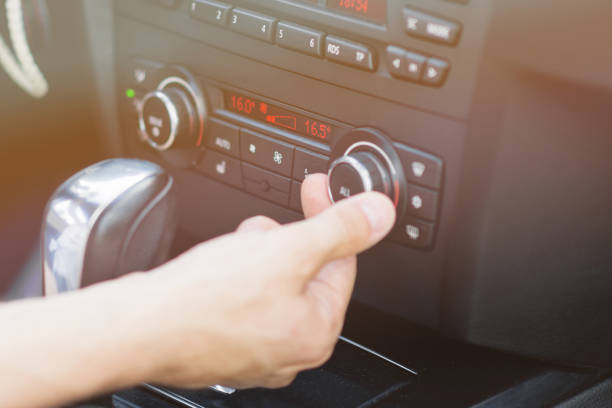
267,148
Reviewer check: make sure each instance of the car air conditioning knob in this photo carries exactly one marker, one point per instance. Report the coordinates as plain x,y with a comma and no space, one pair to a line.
173,115
364,160
166,117
356,173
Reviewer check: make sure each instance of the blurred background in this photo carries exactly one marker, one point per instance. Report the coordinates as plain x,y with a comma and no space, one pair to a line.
42,141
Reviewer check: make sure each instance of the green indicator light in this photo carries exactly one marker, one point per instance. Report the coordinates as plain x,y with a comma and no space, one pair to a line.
130,93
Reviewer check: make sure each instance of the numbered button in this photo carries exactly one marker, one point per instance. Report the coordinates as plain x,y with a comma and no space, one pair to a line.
252,24
211,11
299,38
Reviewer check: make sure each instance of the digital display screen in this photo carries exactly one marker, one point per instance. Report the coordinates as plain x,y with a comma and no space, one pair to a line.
279,117
375,10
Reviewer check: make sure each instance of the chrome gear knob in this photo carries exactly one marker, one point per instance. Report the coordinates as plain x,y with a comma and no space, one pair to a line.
114,217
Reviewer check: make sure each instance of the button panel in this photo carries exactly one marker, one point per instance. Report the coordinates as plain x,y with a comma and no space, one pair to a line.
401,64
424,174
274,170
257,166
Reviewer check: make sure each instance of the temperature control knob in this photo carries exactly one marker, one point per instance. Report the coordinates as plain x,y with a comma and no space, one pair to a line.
166,117
358,173
173,115
366,161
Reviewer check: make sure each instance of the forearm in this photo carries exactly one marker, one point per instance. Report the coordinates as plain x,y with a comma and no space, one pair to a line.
70,347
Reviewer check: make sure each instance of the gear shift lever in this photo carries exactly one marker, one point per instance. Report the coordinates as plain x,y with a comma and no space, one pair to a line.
115,217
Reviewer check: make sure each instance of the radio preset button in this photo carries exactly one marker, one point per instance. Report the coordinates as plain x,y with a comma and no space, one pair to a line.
222,168
307,163
423,25
266,152
299,38
349,53
224,137
211,11
252,24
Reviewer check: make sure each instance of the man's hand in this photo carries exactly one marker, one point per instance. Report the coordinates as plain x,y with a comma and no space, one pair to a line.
252,308
256,307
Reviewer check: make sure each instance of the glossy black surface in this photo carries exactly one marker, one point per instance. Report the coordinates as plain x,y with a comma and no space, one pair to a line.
450,374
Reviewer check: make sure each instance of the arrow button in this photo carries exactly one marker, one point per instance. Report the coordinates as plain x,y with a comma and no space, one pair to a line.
405,64
436,71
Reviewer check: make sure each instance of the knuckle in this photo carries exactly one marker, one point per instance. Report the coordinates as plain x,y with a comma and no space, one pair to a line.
257,222
281,381
319,348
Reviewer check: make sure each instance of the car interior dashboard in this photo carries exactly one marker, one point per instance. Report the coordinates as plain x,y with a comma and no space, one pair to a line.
486,122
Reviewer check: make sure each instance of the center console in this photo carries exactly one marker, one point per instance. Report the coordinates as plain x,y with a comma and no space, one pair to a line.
246,98
242,99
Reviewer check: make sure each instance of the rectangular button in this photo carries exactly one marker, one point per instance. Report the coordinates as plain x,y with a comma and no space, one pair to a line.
349,53
143,74
266,152
405,64
431,28
222,168
253,24
295,201
224,137
422,203
421,168
306,163
299,38
435,73
214,12
414,233
267,185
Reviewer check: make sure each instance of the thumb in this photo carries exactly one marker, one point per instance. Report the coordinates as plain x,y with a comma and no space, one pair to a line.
345,229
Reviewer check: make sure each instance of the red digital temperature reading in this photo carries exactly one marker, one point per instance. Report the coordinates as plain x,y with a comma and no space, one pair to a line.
375,10
279,117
